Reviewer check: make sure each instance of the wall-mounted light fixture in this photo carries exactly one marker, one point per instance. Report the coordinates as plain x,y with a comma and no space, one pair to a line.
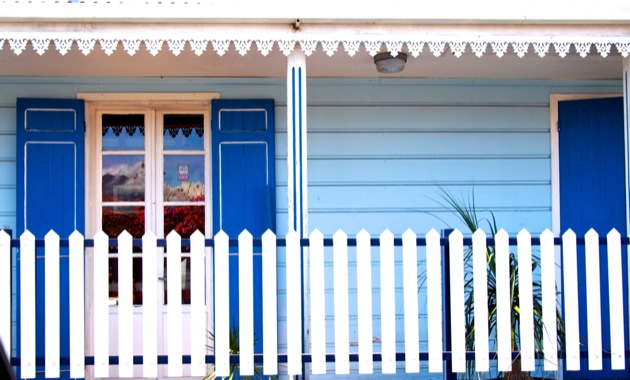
388,64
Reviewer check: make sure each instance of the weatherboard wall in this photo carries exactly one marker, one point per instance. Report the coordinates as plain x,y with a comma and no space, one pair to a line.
380,151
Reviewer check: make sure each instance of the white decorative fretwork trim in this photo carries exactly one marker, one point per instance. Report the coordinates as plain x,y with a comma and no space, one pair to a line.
458,42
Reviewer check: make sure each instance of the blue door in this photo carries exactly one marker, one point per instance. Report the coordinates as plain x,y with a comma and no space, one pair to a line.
50,190
243,163
593,195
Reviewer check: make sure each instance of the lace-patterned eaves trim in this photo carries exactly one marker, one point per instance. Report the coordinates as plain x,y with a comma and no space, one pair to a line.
18,44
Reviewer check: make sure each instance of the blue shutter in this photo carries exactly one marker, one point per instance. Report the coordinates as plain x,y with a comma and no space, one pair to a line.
243,156
593,195
50,187
243,163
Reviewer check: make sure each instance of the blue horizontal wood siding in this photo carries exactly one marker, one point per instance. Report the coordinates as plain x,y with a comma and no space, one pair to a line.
379,149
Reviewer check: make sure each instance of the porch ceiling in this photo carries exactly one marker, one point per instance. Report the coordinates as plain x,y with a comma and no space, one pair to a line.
232,64
578,51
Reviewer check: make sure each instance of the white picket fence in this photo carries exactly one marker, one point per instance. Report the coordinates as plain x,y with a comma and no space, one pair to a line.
316,353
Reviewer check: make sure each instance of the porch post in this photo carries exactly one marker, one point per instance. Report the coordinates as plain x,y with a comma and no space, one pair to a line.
626,121
296,143
297,174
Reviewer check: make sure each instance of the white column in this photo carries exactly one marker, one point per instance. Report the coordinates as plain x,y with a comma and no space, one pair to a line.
626,118
296,143
297,169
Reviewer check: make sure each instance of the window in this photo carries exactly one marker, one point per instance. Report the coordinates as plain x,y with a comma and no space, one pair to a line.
153,175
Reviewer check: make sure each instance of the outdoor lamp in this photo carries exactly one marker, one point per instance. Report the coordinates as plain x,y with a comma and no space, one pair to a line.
388,64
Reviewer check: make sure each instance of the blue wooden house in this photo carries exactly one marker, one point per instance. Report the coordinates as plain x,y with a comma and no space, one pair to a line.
185,115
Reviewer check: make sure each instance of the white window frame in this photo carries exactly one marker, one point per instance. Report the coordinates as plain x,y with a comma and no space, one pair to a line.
151,103
116,102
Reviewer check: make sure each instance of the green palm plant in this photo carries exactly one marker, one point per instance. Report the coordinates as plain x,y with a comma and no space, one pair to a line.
235,350
466,211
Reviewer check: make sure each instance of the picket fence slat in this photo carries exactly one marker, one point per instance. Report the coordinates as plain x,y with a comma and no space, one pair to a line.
294,304
593,301
548,284
571,307
318,303
388,303
504,301
174,306
101,305
615,289
222,304
410,297
77,305
149,305
270,302
219,342
340,272
526,300
246,303
27,305
51,305
5,289
434,301
482,363
458,316
364,302
125,305
198,330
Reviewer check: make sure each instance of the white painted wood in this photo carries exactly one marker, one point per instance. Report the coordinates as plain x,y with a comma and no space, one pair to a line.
548,285
340,272
270,303
27,305
410,296
480,283
318,302
593,301
364,302
434,300
221,304
174,306
51,303
5,290
150,311
125,305
504,301
198,326
615,289
246,303
457,317
526,301
294,304
388,303
76,268
101,304
297,147
571,309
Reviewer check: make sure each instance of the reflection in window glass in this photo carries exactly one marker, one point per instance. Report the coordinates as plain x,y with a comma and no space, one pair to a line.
183,178
184,219
123,132
117,219
183,132
123,178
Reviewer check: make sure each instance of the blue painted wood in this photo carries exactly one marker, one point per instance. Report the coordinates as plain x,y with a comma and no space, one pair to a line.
243,167
50,189
593,195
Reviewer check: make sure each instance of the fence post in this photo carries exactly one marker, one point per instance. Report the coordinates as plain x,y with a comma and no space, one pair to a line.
446,301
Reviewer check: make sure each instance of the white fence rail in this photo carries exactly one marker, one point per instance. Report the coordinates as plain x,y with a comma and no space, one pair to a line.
296,355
